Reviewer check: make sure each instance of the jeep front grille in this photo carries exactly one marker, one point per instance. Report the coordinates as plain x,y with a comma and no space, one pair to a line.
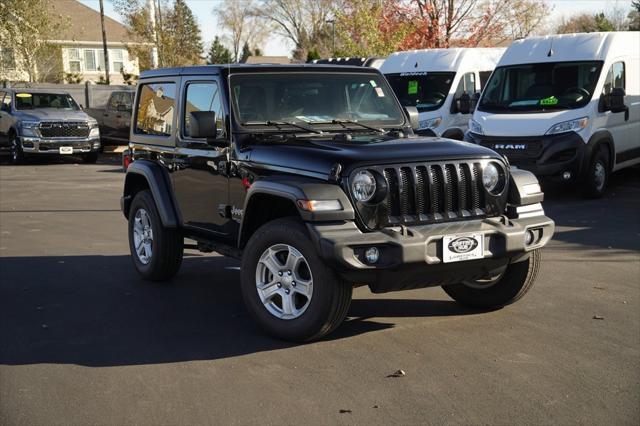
428,193
64,129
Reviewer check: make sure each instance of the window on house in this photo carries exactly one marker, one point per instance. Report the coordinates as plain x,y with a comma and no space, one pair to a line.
93,60
117,58
74,60
7,59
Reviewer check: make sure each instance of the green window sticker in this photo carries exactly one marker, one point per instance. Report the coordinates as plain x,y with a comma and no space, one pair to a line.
551,100
413,87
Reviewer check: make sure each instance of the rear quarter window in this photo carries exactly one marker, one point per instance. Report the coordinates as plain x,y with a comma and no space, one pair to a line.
156,109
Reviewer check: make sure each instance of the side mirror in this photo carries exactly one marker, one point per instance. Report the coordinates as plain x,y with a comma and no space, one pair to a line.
464,104
4,107
202,125
412,113
616,100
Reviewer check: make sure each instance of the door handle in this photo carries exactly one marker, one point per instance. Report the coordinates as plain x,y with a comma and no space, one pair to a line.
118,116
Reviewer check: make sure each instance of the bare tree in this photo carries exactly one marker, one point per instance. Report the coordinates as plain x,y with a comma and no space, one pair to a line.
304,22
241,20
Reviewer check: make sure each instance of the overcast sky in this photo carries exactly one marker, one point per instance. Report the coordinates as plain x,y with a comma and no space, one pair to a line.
203,10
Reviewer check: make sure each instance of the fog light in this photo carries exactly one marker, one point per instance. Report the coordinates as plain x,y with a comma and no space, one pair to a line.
371,255
528,237
566,175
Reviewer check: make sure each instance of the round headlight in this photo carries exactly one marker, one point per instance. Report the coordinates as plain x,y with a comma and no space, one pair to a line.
492,178
363,186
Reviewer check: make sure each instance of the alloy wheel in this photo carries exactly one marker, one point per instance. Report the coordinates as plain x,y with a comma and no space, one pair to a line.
143,236
284,281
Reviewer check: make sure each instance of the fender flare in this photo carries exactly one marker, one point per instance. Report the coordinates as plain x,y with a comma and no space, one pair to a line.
158,182
294,190
454,133
596,140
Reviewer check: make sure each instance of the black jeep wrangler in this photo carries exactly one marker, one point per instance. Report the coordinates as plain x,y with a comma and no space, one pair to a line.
313,177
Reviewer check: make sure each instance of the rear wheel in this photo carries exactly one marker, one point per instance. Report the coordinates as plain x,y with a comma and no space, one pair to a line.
156,251
500,290
286,286
17,155
597,176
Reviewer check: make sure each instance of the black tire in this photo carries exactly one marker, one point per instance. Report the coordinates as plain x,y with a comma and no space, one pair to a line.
331,296
167,245
516,281
597,176
17,155
90,158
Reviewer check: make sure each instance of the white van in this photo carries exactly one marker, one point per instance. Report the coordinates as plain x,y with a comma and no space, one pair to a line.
435,80
566,107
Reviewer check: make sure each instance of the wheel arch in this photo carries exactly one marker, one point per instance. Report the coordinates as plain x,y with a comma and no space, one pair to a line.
270,199
143,174
601,139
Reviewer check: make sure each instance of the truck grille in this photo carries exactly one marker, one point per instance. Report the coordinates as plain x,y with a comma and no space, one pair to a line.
74,129
516,149
427,193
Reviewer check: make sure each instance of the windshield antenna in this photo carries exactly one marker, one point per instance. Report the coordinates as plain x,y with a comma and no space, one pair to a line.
550,53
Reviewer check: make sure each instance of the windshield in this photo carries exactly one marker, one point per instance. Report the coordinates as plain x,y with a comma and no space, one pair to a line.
45,100
314,98
541,87
425,91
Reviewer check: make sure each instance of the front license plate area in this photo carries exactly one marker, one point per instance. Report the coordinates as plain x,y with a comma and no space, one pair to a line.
66,150
458,248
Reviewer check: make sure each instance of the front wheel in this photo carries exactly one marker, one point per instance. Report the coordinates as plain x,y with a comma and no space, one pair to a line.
287,287
17,155
156,251
495,292
597,176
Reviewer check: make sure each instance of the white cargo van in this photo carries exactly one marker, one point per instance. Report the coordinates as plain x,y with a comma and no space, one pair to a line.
435,81
566,107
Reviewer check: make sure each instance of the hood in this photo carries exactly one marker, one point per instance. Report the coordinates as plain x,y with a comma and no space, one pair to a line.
525,124
319,156
47,114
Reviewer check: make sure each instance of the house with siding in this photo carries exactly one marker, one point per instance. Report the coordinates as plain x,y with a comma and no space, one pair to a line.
78,47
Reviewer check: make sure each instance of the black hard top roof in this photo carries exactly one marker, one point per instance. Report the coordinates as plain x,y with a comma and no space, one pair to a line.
250,68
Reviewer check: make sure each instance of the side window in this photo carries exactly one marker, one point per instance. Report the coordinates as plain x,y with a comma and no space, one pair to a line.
484,77
203,97
156,108
114,100
6,102
615,78
467,85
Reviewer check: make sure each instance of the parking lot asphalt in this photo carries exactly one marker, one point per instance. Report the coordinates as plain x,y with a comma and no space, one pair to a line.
84,341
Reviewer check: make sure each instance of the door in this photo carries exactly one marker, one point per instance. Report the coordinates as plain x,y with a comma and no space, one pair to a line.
5,117
108,117
200,175
123,117
618,123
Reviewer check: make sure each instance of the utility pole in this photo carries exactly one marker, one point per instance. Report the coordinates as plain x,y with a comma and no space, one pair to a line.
152,18
104,44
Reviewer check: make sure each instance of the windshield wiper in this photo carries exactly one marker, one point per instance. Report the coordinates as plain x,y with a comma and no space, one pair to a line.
365,126
286,123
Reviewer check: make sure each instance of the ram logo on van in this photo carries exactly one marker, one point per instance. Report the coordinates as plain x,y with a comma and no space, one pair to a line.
518,146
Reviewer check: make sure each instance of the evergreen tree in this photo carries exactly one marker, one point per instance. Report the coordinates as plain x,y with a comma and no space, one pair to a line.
246,52
218,54
185,42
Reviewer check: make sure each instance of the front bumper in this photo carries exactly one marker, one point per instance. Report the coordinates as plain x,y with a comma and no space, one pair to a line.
411,257
545,156
35,145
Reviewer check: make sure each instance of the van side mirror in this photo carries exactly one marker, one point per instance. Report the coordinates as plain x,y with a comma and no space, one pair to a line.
202,125
464,104
412,113
616,100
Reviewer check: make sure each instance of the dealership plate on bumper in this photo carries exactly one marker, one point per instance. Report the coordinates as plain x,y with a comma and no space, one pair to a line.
456,248
66,150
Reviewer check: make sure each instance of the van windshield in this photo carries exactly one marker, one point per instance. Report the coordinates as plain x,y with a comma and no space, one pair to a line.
45,100
540,87
314,98
425,91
